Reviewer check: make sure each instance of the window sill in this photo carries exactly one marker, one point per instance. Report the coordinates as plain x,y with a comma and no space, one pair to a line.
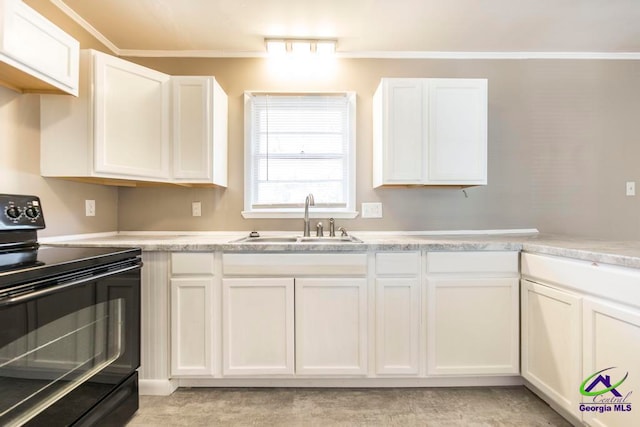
313,213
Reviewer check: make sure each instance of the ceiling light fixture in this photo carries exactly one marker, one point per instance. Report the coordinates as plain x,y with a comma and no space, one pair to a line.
300,47
276,47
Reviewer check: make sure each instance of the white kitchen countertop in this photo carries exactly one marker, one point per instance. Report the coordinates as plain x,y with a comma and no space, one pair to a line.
622,253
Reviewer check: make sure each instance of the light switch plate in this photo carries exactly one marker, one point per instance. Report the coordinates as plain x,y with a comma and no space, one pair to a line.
372,210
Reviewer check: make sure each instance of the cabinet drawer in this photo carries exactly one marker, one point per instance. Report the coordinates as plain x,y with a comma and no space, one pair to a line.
473,262
192,263
294,264
398,263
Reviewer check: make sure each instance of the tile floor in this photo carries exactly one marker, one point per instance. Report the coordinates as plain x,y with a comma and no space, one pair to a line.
477,406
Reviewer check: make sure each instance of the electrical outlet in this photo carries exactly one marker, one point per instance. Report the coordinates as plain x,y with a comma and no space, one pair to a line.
196,209
372,210
631,188
90,208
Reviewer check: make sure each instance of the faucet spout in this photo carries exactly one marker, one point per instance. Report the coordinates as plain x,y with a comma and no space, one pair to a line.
307,202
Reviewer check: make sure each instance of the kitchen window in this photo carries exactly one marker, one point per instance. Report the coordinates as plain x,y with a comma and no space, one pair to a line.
296,144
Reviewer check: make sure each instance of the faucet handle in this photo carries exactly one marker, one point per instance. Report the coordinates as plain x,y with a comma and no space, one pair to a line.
332,227
343,232
319,230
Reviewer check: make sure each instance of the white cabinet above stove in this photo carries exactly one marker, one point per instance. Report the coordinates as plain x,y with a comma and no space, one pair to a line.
35,55
119,132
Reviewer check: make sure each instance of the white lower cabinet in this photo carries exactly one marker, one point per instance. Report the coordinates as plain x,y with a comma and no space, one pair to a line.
192,326
276,317
552,342
258,326
472,313
397,314
193,314
611,336
296,314
331,326
581,338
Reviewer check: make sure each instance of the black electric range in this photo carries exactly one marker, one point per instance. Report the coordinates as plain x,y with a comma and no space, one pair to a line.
69,326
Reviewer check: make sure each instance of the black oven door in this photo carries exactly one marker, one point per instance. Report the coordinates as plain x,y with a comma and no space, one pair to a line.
67,343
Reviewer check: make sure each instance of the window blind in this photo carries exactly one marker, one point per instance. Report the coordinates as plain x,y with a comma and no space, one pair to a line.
299,145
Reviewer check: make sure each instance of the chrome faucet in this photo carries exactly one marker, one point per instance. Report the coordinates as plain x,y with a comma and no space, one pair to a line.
307,202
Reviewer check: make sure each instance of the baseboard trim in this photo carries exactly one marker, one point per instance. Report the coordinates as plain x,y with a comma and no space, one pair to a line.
352,382
157,387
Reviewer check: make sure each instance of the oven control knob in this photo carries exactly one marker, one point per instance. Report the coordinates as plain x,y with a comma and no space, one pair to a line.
32,212
12,212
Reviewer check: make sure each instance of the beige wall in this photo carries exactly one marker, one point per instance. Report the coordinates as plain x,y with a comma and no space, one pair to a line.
563,139
62,201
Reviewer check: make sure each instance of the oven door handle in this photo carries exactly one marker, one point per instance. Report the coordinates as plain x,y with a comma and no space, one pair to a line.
66,285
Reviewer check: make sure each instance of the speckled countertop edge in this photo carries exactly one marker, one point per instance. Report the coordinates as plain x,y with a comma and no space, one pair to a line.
621,253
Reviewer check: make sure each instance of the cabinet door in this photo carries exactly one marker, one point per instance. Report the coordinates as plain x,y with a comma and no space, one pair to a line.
397,325
258,325
35,55
192,326
192,128
331,326
404,131
131,119
551,343
611,340
457,131
199,107
472,326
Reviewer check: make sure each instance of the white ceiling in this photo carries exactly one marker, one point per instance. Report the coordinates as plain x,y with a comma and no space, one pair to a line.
367,28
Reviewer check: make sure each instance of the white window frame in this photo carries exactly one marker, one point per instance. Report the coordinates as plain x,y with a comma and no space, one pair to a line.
297,212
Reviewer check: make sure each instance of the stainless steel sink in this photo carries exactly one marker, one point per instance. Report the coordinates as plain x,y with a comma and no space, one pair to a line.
297,239
267,239
338,239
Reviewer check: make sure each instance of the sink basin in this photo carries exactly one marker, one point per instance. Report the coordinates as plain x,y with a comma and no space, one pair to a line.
267,239
338,239
297,239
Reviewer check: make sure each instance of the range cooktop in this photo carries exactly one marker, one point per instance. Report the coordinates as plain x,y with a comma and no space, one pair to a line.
23,259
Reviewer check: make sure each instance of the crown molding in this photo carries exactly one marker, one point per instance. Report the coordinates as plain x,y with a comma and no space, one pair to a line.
60,4
391,54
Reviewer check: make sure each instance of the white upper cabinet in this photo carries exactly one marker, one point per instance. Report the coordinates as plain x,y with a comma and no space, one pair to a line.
199,109
457,141
131,119
117,128
400,132
118,131
430,132
35,55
